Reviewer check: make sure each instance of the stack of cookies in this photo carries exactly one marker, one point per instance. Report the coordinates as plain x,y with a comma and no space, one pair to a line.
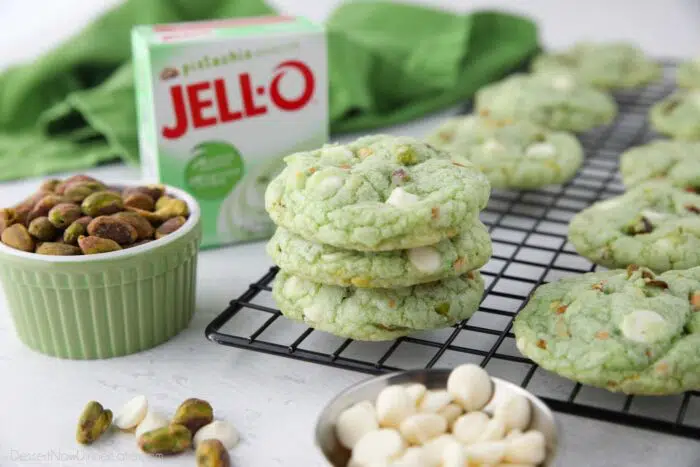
378,238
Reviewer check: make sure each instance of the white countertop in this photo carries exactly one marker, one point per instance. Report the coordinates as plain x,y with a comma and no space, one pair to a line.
273,401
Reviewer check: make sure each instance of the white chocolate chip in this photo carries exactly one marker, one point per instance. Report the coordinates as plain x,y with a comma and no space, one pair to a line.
354,422
314,313
470,385
393,405
131,413
329,186
488,452
422,427
433,449
469,427
414,456
492,145
218,429
540,150
434,401
425,258
514,412
562,82
401,198
513,434
454,456
644,326
337,152
293,287
495,430
378,446
528,448
416,392
451,412
152,421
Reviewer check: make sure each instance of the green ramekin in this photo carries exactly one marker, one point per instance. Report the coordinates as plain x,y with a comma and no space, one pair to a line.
109,304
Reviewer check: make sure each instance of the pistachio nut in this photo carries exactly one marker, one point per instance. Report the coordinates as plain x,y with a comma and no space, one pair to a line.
141,224
61,187
139,200
153,191
139,243
17,236
64,214
151,217
170,226
76,229
78,191
44,205
211,453
113,228
169,440
31,201
171,208
94,421
42,229
8,216
57,249
93,245
102,203
162,201
49,185
194,414
22,213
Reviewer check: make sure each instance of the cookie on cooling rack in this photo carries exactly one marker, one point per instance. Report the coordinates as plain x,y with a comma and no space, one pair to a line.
688,74
377,193
678,115
612,65
678,162
625,330
654,224
326,264
512,154
378,314
556,100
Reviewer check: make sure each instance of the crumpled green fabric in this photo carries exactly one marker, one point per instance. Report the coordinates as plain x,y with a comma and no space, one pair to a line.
389,63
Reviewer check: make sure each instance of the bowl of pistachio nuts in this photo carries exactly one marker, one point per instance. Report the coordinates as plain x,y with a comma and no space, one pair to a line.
92,270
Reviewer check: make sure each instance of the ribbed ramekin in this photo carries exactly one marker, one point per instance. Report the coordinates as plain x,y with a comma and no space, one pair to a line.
109,304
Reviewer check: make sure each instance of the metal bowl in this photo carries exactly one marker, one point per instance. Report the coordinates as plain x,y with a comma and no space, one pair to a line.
338,456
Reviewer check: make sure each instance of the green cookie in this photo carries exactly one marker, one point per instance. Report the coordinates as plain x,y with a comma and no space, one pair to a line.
518,154
378,314
624,330
327,264
555,100
678,115
654,224
688,74
678,162
614,65
377,193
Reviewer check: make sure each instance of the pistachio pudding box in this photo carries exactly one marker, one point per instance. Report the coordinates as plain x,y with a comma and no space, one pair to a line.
220,103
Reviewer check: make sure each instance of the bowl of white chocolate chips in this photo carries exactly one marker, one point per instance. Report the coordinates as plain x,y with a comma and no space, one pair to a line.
437,418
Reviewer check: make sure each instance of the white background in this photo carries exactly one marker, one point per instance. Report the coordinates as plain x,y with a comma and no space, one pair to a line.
273,401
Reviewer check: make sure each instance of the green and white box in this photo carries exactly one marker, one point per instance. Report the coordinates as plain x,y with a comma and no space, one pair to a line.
220,103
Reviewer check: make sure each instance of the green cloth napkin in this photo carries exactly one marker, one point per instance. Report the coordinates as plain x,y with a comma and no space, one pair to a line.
74,107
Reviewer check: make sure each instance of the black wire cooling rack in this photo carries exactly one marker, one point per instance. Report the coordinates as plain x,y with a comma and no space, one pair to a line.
528,229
